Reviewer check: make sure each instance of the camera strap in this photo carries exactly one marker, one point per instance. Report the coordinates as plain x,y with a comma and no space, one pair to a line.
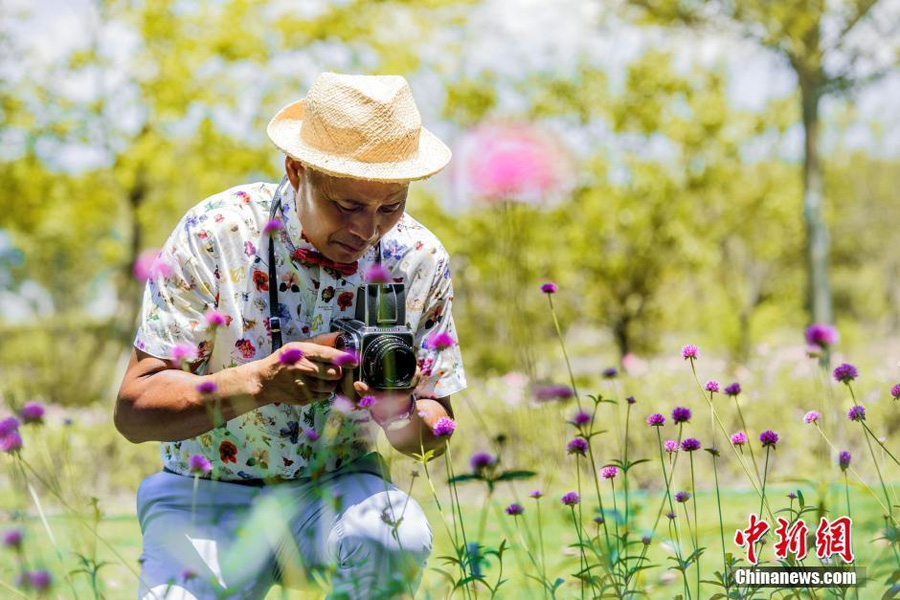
274,318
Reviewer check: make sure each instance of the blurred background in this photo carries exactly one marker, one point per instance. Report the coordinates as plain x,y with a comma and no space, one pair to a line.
723,173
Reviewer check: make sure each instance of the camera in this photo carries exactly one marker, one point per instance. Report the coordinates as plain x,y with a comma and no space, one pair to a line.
378,335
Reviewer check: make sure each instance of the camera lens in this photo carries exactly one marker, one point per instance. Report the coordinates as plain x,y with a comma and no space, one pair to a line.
389,361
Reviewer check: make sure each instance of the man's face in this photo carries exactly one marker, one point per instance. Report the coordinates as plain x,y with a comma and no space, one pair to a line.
342,217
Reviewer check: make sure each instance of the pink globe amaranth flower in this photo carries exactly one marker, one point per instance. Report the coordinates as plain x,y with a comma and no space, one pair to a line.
206,387
712,386
290,356
821,335
630,400
690,352
610,373
609,472
656,420
188,574
482,460
444,427
536,494
215,319
670,515
311,434
184,353
844,460
670,446
682,497
367,401
272,226
577,446
515,509
11,442
845,373
895,392
857,413
553,392
599,520
768,438
13,539
377,273
343,405
582,418
347,358
681,414
40,580
199,465
739,438
150,265
690,444
734,389
812,417
32,412
549,288
440,341
571,499
8,425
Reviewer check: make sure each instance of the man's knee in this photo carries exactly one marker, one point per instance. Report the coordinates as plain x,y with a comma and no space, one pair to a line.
388,522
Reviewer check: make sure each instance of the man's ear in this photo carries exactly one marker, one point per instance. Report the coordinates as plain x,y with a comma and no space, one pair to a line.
294,170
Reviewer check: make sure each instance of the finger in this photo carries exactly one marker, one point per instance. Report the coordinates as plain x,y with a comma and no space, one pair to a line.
361,388
324,339
347,386
319,370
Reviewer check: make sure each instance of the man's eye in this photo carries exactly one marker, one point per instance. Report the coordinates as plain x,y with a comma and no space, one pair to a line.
343,208
391,209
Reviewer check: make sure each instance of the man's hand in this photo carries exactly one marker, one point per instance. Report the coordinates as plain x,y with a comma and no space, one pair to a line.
389,404
311,379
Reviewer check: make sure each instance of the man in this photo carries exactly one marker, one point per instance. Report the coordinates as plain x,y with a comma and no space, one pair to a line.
269,471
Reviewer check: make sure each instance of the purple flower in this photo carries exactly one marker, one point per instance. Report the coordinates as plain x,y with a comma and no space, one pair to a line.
609,472
768,438
895,392
536,494
377,274
821,335
610,373
515,509
734,389
630,400
13,539
857,413
656,420
290,356
482,460
681,415
183,353
311,434
581,418
739,438
577,446
845,373
711,386
347,358
199,465
549,288
791,496
188,574
272,226
812,417
670,514
682,497
690,352
440,341
571,499
10,443
32,412
206,387
553,392
444,426
844,460
40,580
367,401
8,425
690,444
599,520
670,446
215,319
645,540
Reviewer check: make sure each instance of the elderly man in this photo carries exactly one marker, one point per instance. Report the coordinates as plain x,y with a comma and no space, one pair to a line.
270,474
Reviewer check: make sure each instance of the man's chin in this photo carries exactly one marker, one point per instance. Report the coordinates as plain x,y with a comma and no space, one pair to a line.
346,253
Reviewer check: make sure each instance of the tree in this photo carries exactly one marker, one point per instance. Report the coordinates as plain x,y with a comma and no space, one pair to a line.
833,48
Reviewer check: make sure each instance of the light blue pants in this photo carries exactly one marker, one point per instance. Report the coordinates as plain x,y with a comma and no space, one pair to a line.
225,540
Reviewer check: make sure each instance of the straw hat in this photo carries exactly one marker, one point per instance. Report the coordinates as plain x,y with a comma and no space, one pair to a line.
359,126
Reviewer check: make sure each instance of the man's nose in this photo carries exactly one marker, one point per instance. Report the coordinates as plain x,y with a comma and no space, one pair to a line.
364,226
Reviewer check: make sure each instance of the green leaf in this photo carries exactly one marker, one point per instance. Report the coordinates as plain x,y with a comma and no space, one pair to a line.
512,475
465,477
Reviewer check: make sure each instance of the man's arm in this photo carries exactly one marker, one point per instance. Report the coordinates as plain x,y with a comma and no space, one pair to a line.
418,435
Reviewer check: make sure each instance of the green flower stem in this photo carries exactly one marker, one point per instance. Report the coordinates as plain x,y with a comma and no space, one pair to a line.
565,353
462,527
696,521
625,485
612,568
662,462
582,557
721,524
851,469
765,474
879,442
537,502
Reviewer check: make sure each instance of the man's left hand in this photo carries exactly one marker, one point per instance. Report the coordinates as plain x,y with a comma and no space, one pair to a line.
389,404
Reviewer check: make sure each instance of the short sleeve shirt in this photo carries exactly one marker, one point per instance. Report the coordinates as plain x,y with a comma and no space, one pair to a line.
217,259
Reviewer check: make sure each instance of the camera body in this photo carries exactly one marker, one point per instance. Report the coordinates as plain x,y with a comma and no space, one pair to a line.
378,335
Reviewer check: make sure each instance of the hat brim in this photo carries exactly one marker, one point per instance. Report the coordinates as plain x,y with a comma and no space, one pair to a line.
284,131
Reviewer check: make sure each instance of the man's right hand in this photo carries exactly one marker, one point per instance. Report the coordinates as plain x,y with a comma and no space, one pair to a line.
311,379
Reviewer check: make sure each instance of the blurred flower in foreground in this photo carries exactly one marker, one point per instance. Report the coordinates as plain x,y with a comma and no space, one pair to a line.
444,426
812,416
199,465
734,389
571,499
553,392
32,412
549,288
149,264
515,509
821,335
844,460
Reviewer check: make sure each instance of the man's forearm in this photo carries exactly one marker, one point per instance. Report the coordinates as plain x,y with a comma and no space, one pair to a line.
172,408
418,434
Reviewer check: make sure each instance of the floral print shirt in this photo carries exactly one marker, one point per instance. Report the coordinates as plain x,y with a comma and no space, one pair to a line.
217,259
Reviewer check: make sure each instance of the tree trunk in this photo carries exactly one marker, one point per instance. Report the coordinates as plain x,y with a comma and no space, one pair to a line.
817,238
